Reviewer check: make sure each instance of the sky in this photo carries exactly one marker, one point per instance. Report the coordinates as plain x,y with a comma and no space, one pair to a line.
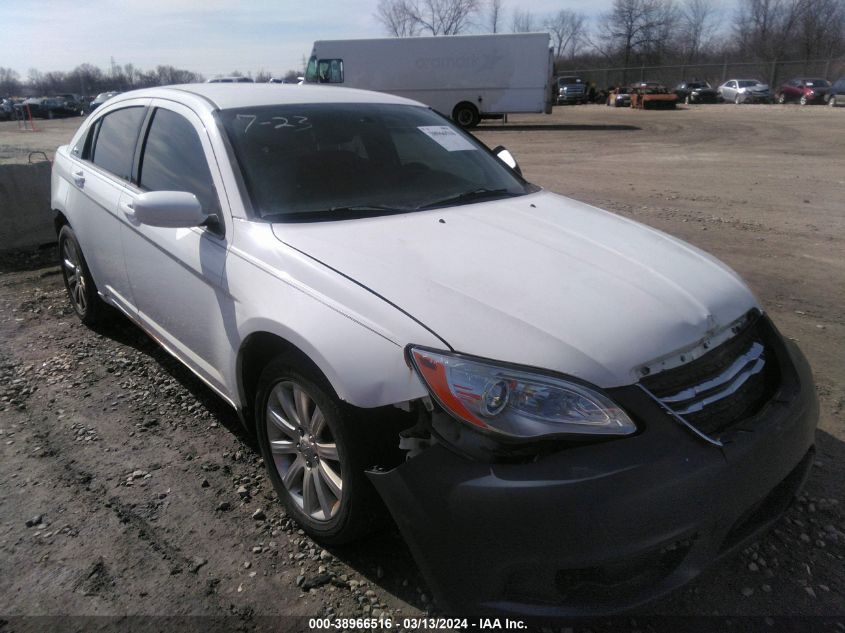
212,37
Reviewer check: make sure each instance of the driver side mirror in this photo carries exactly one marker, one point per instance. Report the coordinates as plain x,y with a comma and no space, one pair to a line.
504,155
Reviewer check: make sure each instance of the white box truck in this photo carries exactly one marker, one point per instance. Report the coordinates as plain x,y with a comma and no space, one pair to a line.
467,77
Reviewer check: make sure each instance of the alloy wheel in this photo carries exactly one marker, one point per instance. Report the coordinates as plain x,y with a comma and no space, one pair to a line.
304,451
74,275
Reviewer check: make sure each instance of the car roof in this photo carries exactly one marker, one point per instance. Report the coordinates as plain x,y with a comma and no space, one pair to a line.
224,96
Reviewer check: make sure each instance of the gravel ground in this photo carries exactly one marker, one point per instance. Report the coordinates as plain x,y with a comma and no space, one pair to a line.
128,488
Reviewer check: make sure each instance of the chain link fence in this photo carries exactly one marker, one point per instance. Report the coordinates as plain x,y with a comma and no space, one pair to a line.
772,73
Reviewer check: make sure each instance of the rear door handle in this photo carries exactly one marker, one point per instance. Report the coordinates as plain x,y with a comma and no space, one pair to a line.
79,178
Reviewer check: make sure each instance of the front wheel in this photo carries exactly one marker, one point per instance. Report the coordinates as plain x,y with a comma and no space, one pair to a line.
314,459
466,115
803,100
80,286
738,99
832,102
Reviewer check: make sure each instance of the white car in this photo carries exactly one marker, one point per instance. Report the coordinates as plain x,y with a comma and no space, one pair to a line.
745,91
565,411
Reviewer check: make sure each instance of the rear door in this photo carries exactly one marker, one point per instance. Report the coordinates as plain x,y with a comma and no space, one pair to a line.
176,273
101,170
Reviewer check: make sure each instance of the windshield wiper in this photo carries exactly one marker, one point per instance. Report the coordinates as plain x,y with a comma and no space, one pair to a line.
337,213
469,196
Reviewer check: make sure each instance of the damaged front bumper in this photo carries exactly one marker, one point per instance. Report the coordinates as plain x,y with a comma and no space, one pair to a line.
597,529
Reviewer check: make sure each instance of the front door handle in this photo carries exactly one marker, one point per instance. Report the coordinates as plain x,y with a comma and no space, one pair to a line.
79,179
128,210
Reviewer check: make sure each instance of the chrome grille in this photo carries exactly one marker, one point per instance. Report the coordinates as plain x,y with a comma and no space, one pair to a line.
716,391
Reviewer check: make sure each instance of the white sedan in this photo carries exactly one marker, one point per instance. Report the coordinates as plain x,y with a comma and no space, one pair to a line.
553,402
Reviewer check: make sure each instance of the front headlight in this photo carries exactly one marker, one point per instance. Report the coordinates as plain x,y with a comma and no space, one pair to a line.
516,403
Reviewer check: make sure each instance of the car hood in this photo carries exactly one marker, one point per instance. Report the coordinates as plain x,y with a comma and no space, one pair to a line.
539,280
757,88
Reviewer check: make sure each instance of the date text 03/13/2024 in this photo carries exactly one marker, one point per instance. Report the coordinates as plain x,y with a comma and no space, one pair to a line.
417,624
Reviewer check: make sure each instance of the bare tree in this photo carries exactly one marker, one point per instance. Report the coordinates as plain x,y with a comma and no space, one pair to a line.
820,30
9,82
763,28
567,31
397,18
495,15
523,21
639,29
404,18
696,28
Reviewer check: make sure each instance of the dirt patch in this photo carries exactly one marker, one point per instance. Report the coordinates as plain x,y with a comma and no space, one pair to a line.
144,484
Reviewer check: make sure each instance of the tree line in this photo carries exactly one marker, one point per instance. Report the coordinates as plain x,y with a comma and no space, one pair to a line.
643,32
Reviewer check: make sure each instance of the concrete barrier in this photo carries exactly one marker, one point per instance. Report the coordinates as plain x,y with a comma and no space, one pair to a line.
26,219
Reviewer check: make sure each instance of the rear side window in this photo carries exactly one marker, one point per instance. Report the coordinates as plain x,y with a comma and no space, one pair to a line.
174,160
114,145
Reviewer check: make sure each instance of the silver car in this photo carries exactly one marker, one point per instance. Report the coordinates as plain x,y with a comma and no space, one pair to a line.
745,91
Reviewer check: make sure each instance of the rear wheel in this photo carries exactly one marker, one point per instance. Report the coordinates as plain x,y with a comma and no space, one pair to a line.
781,98
832,101
79,284
314,457
466,115
738,99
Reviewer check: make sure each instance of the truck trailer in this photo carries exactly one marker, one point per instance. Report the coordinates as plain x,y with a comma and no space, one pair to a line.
467,77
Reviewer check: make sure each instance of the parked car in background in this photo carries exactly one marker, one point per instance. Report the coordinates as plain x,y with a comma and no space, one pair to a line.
352,313
652,94
100,99
72,102
804,90
7,109
745,91
571,90
44,108
836,95
696,92
619,97
230,80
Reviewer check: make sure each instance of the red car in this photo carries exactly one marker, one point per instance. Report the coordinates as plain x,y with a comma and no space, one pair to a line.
803,90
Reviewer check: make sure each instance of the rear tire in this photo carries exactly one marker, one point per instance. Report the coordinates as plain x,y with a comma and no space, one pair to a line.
316,452
832,102
466,115
80,286
738,100
781,98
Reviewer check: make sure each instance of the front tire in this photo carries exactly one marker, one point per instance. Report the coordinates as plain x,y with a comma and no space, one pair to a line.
832,102
80,286
803,100
314,459
738,99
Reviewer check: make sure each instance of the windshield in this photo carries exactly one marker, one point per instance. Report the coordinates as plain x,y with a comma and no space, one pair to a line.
309,162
